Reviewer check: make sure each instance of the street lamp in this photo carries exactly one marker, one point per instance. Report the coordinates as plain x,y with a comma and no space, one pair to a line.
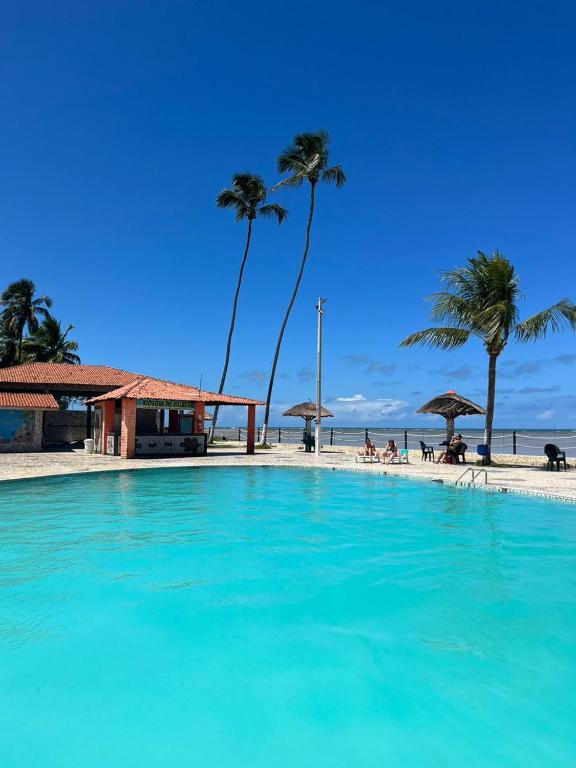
317,440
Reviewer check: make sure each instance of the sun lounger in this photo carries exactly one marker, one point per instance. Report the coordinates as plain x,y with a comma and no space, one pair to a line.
367,459
402,457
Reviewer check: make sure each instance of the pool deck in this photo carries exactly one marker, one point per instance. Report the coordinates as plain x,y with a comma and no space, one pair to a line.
528,477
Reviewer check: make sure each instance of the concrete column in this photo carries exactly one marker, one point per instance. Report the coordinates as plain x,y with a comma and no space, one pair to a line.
199,411
250,429
108,408
173,422
128,429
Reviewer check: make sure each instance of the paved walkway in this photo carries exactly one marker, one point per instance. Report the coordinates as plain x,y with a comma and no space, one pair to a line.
527,479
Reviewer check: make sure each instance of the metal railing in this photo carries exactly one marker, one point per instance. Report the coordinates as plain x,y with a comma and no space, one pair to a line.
472,475
515,442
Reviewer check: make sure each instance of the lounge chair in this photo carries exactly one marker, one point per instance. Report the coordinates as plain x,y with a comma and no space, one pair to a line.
555,456
400,458
427,451
363,458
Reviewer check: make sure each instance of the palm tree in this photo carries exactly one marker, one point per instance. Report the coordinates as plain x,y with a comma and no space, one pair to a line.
8,346
482,300
49,344
246,197
22,309
305,160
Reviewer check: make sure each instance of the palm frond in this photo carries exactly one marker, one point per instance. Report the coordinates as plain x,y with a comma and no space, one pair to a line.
334,175
290,181
291,161
46,300
273,209
438,338
554,319
449,306
229,198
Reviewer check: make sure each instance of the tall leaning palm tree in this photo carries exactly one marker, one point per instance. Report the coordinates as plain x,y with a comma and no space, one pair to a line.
22,309
306,159
481,300
247,197
50,344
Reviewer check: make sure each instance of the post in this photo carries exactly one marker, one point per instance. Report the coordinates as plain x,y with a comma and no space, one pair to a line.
365,435
331,435
279,435
258,434
128,429
88,420
239,435
406,439
318,436
250,429
108,407
449,427
174,422
514,442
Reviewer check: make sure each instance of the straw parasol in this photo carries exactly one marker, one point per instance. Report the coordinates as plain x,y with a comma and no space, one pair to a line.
451,405
307,411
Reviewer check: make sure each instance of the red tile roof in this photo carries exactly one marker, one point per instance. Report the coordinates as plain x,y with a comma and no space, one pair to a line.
59,373
28,400
156,389
123,383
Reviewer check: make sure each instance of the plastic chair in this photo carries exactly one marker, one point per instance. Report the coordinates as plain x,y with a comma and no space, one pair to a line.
555,456
427,451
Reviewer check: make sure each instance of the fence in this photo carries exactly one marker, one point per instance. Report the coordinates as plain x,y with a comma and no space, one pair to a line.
515,442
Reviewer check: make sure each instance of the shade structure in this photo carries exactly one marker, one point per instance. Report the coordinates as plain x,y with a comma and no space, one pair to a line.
451,405
306,410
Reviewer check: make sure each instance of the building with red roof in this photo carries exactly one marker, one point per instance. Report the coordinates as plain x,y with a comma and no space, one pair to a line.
134,414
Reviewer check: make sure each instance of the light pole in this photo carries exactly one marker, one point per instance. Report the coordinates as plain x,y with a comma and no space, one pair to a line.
317,438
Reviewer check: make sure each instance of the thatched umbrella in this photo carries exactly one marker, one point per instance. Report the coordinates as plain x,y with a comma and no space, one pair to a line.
451,405
307,411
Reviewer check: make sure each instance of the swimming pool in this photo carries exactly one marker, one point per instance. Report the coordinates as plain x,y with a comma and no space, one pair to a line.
260,617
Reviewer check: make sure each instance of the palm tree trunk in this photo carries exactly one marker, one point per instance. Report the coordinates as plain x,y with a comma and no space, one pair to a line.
20,340
231,329
287,315
490,402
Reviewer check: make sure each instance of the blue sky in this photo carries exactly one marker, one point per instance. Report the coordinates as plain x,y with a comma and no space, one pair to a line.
455,124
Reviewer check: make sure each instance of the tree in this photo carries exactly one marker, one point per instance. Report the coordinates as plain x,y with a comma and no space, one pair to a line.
481,300
305,160
8,345
48,343
247,197
22,310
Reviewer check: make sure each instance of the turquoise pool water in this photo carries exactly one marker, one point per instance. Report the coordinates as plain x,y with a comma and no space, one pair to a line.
271,618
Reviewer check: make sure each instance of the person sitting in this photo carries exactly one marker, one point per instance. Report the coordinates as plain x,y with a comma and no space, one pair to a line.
452,446
369,448
390,452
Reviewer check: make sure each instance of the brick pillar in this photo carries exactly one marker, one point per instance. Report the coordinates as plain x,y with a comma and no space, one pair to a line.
173,422
250,429
199,410
128,429
108,408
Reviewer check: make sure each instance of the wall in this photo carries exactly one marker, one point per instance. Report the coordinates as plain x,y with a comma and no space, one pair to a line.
65,426
20,430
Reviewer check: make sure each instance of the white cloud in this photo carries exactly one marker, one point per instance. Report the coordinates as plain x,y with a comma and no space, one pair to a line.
545,415
358,408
